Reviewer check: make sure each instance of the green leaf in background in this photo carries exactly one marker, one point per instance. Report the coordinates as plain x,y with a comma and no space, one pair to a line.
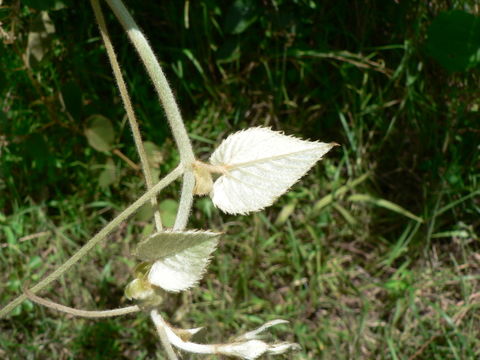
240,16
285,213
206,206
108,175
35,262
100,133
168,211
385,204
454,40
154,154
39,38
145,212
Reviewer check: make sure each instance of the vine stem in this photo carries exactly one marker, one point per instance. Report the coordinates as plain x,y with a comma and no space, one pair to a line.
102,234
167,99
128,106
82,313
186,200
158,78
162,333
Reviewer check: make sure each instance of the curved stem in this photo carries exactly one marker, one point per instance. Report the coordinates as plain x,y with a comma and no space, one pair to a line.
96,239
158,78
82,313
159,325
128,106
177,341
186,200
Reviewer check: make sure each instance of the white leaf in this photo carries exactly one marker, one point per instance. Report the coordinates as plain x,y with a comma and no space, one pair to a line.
254,334
259,165
247,347
249,350
180,257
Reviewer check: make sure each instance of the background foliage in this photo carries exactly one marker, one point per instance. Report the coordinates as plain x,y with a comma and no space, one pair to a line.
374,254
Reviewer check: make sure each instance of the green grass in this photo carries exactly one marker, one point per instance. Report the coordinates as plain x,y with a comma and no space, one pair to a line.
373,255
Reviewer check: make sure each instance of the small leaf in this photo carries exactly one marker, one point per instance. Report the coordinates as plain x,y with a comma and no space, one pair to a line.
454,40
154,154
283,216
145,212
180,257
108,175
39,38
100,133
168,211
155,175
35,262
254,334
259,165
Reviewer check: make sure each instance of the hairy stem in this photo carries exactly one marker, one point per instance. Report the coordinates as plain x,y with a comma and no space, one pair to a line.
158,78
186,200
128,106
159,325
97,238
82,313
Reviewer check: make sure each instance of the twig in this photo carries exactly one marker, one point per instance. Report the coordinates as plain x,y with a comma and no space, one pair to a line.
82,313
34,236
29,237
126,159
423,347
